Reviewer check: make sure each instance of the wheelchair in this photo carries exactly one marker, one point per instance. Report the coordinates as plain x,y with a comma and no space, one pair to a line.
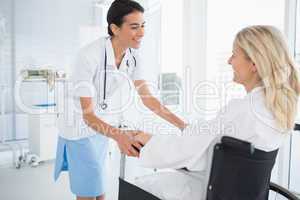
238,172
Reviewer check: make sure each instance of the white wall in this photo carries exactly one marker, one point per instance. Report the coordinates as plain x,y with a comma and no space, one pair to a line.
48,32
6,63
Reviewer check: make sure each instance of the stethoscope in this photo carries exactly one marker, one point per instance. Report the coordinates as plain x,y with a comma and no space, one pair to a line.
103,105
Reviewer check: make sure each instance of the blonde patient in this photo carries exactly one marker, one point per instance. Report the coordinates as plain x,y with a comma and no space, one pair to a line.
265,116
260,58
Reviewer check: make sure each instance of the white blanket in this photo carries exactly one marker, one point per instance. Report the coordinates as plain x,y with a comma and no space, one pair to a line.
175,185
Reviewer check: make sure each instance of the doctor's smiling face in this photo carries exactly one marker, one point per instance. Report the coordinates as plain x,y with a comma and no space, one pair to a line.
244,69
131,31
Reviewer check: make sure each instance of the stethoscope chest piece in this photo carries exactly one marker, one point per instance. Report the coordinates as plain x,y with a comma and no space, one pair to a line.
103,106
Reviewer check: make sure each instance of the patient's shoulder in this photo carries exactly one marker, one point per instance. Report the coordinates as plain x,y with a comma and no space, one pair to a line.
234,107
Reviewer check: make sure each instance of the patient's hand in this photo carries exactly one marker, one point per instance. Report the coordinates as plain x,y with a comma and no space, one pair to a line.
142,137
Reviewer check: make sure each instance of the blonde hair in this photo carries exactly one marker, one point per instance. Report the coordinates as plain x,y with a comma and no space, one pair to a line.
266,47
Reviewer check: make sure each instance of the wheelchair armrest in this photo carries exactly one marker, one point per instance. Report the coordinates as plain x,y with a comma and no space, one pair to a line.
235,143
297,127
283,191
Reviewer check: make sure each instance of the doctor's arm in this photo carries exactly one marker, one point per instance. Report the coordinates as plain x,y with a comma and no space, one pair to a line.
124,139
154,105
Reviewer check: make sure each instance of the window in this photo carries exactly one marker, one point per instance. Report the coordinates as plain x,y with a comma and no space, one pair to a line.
224,20
171,51
297,50
294,175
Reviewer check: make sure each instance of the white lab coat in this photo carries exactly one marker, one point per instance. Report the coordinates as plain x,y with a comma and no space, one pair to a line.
87,80
246,119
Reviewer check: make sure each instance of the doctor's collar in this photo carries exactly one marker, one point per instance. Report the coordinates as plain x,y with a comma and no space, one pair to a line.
111,54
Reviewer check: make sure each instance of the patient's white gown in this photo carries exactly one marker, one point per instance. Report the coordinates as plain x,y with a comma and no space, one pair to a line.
247,119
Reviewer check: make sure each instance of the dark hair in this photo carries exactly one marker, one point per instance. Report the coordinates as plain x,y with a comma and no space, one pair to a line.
119,9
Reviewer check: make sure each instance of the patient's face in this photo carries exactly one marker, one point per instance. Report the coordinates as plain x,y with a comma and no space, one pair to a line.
242,66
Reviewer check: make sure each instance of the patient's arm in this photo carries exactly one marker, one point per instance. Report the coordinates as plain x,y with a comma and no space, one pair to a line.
187,150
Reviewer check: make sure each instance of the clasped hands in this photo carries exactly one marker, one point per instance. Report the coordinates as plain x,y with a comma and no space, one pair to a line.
131,142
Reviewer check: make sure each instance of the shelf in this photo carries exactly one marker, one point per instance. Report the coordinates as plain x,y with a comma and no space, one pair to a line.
43,80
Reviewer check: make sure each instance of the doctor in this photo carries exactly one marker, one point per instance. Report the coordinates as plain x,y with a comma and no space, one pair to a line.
265,116
98,73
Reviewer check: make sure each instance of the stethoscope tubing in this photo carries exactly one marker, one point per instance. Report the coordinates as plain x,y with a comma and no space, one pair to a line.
103,105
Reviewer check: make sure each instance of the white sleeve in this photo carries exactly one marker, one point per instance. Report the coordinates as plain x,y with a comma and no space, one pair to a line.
189,150
171,151
82,76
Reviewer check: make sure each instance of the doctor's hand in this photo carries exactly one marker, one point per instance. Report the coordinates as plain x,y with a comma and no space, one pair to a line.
143,138
133,133
127,144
